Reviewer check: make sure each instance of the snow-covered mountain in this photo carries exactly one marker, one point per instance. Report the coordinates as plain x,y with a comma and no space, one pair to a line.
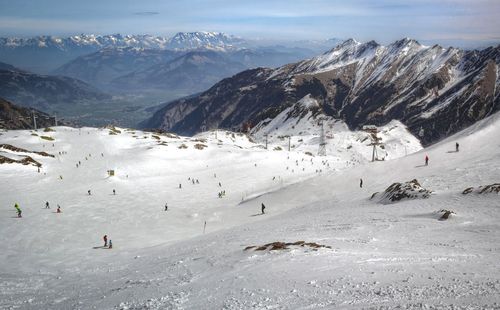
85,40
45,53
435,91
203,39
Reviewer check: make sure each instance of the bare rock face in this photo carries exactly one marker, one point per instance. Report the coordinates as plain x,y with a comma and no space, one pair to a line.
402,191
485,189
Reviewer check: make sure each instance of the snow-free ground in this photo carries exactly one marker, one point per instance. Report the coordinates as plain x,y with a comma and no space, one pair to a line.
381,256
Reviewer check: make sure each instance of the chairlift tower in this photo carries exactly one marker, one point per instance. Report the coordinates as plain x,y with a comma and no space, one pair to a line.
322,141
34,119
376,141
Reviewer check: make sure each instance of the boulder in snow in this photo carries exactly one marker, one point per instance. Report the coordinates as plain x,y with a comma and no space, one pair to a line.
274,246
485,189
446,214
402,191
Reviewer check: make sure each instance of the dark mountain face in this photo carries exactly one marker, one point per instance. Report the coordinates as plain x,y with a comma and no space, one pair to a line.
40,91
192,72
434,91
102,67
16,117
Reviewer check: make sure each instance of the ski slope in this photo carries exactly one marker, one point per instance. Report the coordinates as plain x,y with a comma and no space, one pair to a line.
381,256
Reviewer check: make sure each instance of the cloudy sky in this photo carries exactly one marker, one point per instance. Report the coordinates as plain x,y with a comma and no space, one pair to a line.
455,22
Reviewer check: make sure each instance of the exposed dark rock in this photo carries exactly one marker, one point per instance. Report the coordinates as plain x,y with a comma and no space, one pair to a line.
485,189
401,191
273,246
21,150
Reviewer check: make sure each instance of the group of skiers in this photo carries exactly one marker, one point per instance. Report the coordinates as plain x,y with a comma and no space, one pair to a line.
89,192
107,244
222,193
47,206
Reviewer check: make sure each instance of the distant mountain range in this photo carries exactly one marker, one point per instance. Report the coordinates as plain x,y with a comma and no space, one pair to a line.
43,54
42,91
435,91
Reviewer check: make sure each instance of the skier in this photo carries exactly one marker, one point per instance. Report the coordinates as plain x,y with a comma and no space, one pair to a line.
456,147
426,160
110,244
89,192
360,183
180,185
47,205
105,238
59,209
166,207
114,192
220,185
262,207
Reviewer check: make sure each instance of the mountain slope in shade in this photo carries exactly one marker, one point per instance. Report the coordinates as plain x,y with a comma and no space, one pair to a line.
16,117
40,91
194,71
435,91
101,67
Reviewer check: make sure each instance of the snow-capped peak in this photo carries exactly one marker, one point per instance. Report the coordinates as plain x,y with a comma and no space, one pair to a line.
199,39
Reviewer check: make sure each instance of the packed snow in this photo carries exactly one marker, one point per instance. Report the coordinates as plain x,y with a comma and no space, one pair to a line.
380,256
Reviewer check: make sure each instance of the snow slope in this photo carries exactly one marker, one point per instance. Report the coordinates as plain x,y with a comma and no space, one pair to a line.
382,256
302,122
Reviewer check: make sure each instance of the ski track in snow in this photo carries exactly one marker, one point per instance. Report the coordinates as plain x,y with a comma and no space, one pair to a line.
383,256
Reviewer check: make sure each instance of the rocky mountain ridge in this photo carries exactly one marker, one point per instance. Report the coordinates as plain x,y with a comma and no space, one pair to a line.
435,91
